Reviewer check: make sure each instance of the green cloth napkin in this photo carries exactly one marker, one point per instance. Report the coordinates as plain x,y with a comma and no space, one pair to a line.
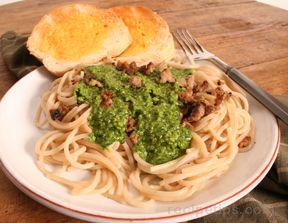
267,203
15,54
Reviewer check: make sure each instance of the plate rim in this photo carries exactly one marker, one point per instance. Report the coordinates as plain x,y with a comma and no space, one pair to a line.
245,189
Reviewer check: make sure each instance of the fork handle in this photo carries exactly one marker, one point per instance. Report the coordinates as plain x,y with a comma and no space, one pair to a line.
264,98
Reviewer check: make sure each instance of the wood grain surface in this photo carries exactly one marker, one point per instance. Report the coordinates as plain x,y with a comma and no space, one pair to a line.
246,34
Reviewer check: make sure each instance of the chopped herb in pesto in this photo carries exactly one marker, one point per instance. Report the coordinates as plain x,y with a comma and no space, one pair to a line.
178,73
154,106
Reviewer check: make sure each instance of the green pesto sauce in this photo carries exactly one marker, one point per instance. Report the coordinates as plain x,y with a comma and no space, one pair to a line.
154,106
178,73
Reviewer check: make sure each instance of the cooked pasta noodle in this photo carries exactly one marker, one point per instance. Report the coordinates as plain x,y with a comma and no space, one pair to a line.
118,172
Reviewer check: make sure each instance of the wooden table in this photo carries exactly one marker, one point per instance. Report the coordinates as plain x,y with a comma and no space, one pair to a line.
246,34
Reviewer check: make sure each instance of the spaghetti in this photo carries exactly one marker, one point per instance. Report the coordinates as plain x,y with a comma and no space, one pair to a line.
118,172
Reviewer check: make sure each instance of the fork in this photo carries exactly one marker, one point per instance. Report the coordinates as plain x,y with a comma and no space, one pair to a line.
194,50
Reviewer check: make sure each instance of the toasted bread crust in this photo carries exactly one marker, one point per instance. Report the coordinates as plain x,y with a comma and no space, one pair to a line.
152,40
77,34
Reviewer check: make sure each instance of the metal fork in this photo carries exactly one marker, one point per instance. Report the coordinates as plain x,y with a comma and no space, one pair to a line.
193,49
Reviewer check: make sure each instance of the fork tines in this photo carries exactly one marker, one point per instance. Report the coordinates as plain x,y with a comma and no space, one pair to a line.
190,45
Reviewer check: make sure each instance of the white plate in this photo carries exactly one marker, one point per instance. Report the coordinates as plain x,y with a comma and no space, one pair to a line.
18,136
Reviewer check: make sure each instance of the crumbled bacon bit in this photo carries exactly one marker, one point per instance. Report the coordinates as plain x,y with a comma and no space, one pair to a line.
197,106
147,69
220,95
245,142
186,97
56,114
200,87
122,66
64,109
106,98
130,124
209,109
219,82
133,67
87,77
60,112
135,81
127,68
204,85
166,76
95,83
134,138
197,112
187,82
